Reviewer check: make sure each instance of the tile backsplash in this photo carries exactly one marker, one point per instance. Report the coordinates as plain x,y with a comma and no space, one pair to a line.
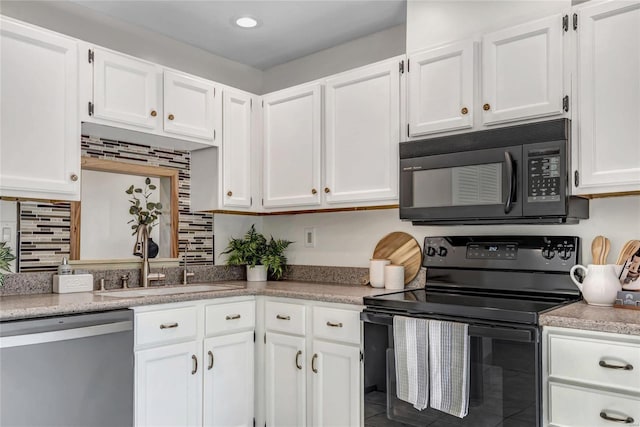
45,227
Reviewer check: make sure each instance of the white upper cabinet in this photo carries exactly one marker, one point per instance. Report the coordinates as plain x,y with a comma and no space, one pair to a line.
236,149
362,132
292,147
608,158
126,90
441,88
39,124
189,106
522,71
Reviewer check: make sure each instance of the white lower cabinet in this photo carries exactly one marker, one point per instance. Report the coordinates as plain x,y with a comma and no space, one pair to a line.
313,370
591,379
194,363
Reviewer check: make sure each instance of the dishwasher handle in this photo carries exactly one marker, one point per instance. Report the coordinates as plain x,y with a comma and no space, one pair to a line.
65,334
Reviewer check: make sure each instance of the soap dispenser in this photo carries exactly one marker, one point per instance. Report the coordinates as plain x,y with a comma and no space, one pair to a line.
64,268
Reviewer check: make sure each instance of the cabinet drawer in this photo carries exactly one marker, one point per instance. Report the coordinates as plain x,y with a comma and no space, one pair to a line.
166,326
336,324
284,317
231,317
595,361
582,407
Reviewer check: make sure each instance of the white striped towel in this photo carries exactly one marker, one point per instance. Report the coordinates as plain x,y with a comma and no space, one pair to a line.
411,355
449,367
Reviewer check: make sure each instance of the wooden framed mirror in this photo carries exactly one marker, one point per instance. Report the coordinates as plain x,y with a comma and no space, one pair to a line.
168,190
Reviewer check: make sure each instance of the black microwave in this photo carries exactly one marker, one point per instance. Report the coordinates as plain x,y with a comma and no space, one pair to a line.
516,174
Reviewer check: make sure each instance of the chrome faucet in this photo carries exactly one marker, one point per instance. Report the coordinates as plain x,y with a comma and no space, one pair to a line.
141,248
185,273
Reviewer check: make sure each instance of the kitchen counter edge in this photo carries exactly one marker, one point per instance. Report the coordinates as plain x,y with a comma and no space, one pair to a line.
581,315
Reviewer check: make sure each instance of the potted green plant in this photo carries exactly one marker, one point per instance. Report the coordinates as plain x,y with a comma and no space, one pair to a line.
5,258
144,212
261,256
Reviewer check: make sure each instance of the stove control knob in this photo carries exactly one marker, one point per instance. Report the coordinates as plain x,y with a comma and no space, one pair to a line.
548,252
431,251
564,252
442,251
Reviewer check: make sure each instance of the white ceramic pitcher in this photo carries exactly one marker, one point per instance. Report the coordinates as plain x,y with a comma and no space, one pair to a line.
600,285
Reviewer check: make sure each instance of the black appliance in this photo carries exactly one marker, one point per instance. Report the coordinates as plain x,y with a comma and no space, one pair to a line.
498,285
516,174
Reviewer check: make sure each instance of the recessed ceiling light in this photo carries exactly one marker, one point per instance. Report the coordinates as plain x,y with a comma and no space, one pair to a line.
246,22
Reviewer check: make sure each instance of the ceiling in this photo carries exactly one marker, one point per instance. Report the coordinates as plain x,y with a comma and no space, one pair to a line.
288,29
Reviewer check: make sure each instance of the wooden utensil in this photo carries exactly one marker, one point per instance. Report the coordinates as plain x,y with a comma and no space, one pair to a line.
629,249
605,251
402,249
597,248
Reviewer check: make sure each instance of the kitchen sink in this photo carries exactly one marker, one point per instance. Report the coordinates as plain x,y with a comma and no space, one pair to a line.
167,290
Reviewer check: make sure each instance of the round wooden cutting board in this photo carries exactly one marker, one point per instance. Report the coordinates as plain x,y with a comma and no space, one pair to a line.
402,249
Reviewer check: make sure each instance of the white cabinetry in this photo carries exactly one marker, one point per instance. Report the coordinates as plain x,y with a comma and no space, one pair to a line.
39,123
194,363
313,370
292,146
522,71
362,132
608,134
189,106
441,89
591,378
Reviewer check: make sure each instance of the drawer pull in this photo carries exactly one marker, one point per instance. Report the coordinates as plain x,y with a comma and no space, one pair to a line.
195,364
335,325
626,367
282,317
210,360
233,317
313,363
605,416
298,354
169,325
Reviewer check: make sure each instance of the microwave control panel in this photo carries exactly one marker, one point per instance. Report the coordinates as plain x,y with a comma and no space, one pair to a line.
544,170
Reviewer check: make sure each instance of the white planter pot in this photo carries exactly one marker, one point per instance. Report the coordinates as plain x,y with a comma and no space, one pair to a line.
257,273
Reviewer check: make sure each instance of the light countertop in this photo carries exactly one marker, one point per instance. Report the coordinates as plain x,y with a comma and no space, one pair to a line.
581,315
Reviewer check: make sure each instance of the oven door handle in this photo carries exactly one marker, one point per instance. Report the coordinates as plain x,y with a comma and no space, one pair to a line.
511,173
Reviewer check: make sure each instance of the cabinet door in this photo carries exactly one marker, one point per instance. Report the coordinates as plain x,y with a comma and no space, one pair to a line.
126,90
336,384
39,124
362,113
169,386
228,380
189,106
292,132
285,380
522,71
441,89
609,91
236,149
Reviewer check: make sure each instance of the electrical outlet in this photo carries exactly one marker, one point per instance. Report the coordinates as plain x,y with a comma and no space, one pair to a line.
310,237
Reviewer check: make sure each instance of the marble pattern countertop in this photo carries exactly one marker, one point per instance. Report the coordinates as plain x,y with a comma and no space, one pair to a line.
581,315
15,307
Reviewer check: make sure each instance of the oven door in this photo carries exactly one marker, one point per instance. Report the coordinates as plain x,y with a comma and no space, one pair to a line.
469,185
505,378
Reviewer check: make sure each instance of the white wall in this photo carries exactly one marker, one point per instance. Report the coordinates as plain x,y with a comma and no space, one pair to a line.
362,51
8,227
432,23
349,238
85,24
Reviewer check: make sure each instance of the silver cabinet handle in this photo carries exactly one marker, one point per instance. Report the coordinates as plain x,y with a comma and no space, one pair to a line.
283,317
233,316
210,360
313,363
605,416
627,367
298,354
195,364
169,325
335,325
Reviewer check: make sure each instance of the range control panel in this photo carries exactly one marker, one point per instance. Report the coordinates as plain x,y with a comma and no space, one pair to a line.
535,253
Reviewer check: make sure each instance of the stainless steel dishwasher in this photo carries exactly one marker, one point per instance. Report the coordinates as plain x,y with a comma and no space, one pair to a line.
67,371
